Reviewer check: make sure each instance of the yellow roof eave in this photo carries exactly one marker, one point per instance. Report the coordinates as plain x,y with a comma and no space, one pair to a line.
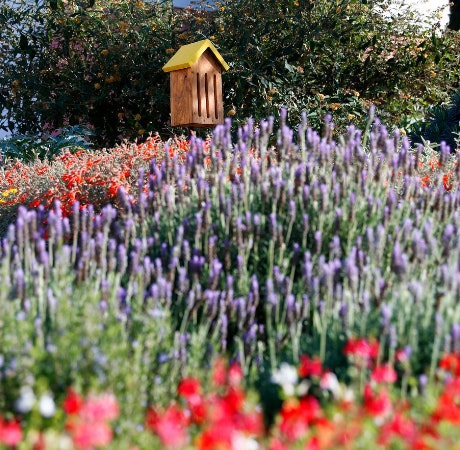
188,54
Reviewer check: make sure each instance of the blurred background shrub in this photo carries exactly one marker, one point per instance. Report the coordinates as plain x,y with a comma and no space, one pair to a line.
97,63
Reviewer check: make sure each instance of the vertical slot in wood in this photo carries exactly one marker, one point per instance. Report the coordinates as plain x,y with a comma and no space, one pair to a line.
216,108
198,93
206,91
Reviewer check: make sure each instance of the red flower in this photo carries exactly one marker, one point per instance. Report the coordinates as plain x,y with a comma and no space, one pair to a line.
251,423
361,349
73,402
445,182
425,181
313,444
216,438
377,403
310,367
189,387
451,363
384,374
232,402
296,416
448,406
35,203
399,426
113,188
10,433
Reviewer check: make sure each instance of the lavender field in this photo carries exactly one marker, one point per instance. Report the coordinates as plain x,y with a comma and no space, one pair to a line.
260,249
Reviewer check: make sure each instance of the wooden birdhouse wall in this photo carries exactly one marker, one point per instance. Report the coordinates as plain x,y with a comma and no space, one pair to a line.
196,93
207,90
181,98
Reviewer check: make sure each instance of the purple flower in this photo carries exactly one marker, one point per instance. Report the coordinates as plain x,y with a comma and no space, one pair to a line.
386,312
272,297
290,309
318,241
321,307
399,260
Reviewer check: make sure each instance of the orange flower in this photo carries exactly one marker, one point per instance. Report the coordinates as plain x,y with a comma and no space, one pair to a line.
425,181
445,182
113,188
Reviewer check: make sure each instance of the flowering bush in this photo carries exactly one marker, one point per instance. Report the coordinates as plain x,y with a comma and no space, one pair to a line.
317,411
86,177
87,419
333,57
94,177
98,64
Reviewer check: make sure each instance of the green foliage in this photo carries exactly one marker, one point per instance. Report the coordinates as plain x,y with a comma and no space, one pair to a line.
328,56
29,148
442,124
99,63
98,66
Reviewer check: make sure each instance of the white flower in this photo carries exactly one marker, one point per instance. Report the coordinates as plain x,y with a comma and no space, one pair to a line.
242,442
330,382
348,395
46,405
286,377
302,388
26,400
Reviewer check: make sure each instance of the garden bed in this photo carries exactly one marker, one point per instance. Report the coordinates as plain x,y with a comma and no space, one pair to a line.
229,292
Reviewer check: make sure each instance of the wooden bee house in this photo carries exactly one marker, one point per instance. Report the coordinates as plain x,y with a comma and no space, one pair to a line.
196,85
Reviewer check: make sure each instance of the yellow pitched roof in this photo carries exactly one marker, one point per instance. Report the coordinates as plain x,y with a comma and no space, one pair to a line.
187,55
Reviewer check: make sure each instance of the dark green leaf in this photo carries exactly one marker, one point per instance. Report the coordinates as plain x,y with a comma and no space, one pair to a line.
23,43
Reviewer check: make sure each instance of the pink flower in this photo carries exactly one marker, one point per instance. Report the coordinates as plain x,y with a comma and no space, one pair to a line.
170,426
88,435
398,426
235,375
10,432
100,408
384,374
402,356
276,444
219,375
